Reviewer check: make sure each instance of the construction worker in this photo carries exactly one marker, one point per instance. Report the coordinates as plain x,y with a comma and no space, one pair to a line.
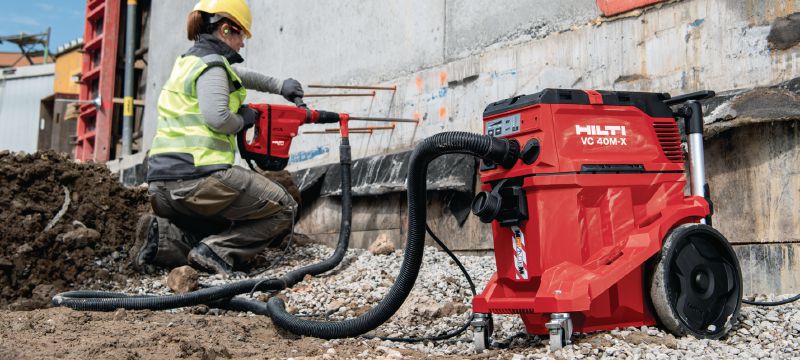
209,213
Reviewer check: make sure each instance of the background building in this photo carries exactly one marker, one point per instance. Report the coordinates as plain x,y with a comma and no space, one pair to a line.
59,111
21,92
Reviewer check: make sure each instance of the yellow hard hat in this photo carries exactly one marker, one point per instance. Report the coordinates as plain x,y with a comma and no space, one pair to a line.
236,10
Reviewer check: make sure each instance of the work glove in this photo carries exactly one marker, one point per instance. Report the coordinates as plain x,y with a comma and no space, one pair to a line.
249,116
291,89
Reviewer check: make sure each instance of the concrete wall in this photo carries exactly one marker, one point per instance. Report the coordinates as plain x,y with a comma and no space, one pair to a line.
754,174
449,58
679,47
361,41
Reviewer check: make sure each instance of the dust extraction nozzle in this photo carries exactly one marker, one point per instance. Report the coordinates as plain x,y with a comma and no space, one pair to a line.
486,205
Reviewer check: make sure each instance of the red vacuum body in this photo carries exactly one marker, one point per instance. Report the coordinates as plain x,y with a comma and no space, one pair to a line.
276,127
599,184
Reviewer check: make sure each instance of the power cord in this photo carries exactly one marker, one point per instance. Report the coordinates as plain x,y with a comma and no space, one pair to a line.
280,258
772,303
449,334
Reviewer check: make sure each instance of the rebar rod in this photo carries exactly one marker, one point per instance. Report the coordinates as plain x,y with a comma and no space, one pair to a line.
385,119
353,87
372,93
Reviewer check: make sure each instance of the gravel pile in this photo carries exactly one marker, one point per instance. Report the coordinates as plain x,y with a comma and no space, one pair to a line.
440,302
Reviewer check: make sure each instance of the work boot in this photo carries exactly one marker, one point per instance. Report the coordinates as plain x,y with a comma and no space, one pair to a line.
206,259
145,245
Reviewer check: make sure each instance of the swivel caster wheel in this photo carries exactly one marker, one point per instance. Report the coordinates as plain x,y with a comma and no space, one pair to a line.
560,327
482,329
697,283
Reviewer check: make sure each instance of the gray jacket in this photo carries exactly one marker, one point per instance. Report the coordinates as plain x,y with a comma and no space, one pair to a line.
214,87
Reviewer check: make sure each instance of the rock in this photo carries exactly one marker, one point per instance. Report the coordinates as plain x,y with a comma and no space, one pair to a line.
83,235
427,309
390,353
44,291
119,315
199,309
382,246
23,249
183,279
785,32
451,308
335,306
25,305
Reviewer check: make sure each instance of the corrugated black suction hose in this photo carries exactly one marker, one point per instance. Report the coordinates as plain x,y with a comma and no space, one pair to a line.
222,296
500,151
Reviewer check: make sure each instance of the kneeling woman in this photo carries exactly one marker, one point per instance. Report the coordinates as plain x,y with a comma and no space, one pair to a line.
209,213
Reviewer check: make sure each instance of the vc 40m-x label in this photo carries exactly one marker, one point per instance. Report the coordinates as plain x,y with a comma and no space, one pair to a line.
602,135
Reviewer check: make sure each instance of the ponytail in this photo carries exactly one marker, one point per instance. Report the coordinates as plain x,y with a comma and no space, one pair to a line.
201,23
195,25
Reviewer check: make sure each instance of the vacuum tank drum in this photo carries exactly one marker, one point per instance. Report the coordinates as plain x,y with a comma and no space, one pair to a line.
579,222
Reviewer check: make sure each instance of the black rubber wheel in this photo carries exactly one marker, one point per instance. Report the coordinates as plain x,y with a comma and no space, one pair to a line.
696,287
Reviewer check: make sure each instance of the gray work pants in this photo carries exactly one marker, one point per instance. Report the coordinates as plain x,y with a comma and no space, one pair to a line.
235,212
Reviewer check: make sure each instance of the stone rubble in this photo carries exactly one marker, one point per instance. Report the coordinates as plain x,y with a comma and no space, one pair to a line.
440,302
183,279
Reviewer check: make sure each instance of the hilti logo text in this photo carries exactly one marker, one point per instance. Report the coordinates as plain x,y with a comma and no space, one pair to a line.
608,130
278,142
608,135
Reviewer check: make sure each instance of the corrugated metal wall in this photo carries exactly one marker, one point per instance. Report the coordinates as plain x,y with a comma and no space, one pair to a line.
20,95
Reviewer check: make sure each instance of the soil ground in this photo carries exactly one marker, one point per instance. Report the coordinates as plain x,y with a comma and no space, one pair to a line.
66,334
63,224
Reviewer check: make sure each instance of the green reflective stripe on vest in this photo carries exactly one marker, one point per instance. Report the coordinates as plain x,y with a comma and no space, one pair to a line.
181,127
193,141
188,84
182,121
171,132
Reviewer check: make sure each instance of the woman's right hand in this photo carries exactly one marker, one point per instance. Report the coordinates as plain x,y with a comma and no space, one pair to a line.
249,116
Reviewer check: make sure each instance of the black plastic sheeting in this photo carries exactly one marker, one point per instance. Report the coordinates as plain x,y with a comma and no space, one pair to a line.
452,174
383,174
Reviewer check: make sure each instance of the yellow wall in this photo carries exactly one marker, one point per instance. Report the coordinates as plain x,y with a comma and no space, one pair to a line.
67,65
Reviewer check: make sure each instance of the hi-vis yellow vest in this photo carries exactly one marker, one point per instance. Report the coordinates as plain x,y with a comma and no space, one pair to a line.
181,127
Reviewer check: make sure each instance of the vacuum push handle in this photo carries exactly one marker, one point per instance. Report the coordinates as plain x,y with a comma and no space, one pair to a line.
700,95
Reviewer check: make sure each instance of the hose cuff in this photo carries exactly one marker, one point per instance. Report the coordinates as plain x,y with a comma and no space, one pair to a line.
504,152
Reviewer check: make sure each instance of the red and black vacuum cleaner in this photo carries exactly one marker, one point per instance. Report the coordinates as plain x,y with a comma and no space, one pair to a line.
592,227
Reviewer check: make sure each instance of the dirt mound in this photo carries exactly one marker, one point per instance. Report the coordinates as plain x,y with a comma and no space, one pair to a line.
49,241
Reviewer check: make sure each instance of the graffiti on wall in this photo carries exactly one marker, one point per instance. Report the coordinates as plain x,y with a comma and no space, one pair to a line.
301,156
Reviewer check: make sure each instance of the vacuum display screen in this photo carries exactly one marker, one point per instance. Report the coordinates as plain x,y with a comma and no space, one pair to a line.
503,126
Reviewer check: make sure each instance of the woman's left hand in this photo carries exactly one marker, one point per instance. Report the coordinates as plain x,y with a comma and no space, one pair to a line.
291,89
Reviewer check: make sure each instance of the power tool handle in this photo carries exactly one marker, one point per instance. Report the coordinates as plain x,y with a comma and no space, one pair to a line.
299,102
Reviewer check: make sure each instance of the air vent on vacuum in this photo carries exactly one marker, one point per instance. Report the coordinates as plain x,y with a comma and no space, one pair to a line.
670,139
